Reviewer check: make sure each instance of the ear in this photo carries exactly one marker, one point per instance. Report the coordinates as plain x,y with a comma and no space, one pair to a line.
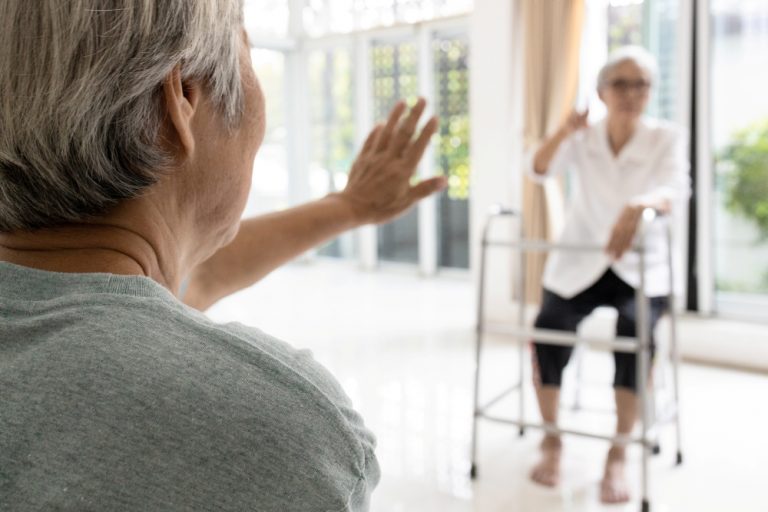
600,94
181,102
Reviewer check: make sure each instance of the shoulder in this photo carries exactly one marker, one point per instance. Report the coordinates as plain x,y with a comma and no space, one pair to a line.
286,392
661,132
245,348
178,393
155,340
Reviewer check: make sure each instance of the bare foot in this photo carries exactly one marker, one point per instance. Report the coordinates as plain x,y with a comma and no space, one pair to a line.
547,471
614,488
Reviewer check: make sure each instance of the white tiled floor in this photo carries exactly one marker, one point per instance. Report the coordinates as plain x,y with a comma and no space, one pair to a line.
402,347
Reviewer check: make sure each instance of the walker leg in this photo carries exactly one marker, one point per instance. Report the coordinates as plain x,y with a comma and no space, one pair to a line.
473,442
643,367
475,404
579,356
675,351
478,353
521,370
676,379
521,323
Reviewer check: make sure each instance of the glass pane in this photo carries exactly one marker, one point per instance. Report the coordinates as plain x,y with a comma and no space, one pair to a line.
331,105
343,16
395,76
739,79
661,34
269,189
452,155
653,24
266,17
625,23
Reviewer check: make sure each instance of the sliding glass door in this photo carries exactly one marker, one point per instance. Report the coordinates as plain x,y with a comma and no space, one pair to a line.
739,151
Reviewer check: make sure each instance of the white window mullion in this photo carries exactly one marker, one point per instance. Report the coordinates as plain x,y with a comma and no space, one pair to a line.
367,237
297,109
428,217
297,126
704,179
683,79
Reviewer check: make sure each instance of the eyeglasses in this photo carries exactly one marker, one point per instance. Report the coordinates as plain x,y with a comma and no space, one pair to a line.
623,86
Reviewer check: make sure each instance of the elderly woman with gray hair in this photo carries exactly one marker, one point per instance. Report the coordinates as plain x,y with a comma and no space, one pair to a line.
127,138
619,167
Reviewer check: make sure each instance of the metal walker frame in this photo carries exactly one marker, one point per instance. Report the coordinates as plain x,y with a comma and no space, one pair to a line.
639,345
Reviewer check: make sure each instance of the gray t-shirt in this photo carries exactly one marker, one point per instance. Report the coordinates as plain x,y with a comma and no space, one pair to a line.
115,396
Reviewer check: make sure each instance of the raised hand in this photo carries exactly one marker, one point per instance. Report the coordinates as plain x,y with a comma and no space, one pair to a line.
577,121
379,186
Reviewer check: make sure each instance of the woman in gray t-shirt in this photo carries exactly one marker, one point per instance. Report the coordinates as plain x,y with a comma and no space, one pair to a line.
126,151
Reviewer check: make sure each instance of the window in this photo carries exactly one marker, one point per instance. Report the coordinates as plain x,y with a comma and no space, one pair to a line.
269,188
266,17
653,24
345,16
625,23
739,134
395,76
332,125
306,157
661,36
452,155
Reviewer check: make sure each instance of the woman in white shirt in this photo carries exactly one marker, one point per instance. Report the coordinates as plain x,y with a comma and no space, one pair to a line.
618,167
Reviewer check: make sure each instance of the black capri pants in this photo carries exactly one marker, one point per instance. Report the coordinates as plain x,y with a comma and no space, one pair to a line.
562,314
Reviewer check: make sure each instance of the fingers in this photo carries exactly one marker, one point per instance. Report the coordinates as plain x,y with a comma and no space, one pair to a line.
577,120
620,250
620,241
407,128
583,118
413,153
615,241
386,133
372,138
428,187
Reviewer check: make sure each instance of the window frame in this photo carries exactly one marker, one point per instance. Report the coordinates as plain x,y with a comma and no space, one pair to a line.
296,48
711,301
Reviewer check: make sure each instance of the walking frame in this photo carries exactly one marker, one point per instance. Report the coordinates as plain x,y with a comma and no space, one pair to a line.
640,345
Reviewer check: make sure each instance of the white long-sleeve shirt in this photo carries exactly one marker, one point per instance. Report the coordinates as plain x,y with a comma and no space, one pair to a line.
653,165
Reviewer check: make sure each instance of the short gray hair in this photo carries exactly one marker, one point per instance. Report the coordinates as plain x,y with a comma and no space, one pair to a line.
81,97
636,54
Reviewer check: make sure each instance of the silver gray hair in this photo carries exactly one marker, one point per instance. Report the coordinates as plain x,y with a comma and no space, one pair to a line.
81,97
636,54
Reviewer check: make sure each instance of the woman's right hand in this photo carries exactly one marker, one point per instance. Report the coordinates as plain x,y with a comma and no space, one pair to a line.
576,121
543,156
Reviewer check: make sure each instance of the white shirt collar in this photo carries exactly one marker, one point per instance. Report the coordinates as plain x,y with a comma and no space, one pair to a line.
636,149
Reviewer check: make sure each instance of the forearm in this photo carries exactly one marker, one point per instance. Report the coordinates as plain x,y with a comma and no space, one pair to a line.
543,156
264,243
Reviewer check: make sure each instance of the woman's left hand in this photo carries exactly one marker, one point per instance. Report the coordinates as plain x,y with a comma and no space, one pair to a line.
379,187
624,231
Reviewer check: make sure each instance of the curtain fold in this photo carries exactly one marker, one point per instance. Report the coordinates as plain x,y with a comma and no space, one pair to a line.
552,39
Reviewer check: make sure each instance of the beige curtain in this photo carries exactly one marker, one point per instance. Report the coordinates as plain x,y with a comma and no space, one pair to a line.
553,31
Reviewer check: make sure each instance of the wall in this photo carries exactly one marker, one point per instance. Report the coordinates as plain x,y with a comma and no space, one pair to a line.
496,124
